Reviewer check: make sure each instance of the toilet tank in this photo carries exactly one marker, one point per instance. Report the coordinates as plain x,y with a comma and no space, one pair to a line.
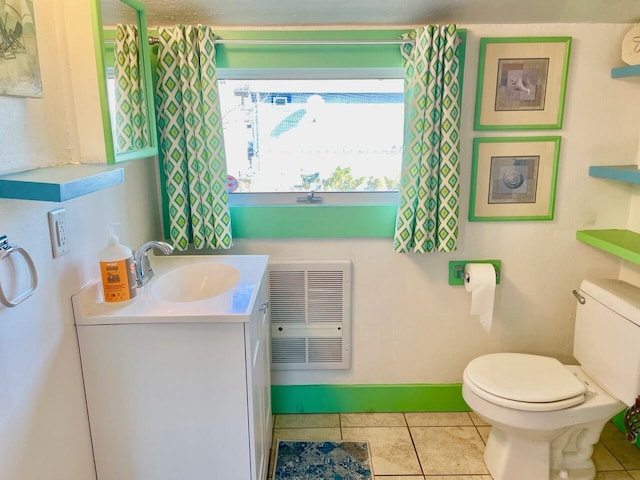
607,336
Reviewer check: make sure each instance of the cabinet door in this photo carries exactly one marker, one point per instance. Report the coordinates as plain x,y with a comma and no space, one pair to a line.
260,386
167,401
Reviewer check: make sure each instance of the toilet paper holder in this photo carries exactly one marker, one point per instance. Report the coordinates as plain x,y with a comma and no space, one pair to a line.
456,270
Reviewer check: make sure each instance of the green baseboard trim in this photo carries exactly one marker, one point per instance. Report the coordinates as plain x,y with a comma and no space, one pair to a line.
367,398
618,421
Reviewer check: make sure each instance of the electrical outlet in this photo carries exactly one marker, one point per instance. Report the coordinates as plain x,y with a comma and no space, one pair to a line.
58,231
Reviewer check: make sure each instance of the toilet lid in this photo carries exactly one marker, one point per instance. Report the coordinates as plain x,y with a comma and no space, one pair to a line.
520,377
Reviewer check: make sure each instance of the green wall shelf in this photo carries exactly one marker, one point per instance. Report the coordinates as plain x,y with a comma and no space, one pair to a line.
626,71
623,173
622,243
59,183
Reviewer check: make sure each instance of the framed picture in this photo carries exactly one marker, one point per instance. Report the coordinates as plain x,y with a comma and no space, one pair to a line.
513,178
19,64
521,83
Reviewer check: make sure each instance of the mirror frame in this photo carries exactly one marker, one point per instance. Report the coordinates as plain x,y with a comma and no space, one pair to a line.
99,44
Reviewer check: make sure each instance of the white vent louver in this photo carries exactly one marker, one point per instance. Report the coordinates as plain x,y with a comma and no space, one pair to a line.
310,308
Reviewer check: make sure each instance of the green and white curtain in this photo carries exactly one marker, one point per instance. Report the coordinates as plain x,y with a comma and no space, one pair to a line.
191,138
131,126
427,219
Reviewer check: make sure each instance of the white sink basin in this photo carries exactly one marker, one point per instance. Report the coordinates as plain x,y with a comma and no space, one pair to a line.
185,289
197,281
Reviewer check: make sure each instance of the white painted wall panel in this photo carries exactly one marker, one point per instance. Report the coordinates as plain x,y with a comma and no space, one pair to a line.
409,325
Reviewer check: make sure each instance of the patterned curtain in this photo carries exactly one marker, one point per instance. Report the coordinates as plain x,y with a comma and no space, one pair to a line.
191,138
131,127
427,219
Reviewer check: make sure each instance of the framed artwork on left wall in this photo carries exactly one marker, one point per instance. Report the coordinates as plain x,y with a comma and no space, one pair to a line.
513,178
521,83
19,63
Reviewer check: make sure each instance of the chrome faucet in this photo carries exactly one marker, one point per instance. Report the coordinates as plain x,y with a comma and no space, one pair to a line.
144,272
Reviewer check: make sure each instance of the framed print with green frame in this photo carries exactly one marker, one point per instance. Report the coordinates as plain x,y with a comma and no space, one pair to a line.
521,83
513,178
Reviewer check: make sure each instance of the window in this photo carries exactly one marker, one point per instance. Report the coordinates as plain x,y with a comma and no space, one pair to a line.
111,98
263,86
325,117
311,135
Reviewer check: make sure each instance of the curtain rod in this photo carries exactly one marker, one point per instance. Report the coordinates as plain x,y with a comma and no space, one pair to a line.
220,41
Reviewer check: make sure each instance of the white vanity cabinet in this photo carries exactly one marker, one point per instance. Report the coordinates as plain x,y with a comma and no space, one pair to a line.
180,400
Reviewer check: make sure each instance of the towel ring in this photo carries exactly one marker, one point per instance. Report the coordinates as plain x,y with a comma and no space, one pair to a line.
5,251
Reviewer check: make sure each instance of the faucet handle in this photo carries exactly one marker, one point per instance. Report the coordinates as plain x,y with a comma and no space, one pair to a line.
146,263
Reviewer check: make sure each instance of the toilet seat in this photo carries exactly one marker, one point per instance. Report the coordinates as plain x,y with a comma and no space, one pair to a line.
524,382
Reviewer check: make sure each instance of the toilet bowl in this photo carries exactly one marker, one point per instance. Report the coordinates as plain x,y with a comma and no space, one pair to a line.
542,440
545,417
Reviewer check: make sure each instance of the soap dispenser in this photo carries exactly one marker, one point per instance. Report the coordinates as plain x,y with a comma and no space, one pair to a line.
117,269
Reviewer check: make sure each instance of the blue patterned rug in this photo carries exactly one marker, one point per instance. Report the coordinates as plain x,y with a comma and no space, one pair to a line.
322,461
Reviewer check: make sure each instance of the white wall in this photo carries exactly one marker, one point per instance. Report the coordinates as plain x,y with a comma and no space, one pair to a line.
409,324
44,432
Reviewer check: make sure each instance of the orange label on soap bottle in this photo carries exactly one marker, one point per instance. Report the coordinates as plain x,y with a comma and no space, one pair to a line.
118,280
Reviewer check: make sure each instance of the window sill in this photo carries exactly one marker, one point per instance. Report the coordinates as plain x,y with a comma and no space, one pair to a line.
354,198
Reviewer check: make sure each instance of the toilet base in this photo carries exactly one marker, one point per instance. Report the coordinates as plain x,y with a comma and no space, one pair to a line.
550,455
510,456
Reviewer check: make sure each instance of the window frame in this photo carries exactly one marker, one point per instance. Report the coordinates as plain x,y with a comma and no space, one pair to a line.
334,219
384,197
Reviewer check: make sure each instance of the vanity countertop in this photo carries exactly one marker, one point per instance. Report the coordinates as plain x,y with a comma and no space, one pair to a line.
232,306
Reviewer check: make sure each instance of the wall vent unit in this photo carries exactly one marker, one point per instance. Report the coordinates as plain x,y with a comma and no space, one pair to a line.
310,309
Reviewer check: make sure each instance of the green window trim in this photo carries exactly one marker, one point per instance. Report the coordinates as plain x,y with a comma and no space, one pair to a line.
313,221
308,221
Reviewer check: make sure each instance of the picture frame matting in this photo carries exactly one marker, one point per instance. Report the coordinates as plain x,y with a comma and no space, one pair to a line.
513,178
521,83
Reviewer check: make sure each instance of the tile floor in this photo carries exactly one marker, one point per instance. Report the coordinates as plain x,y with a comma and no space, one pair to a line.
435,446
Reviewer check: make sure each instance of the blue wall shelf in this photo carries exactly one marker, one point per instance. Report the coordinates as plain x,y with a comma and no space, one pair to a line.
59,183
623,173
626,71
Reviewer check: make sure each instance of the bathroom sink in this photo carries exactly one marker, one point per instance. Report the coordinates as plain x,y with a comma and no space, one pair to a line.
197,281
184,289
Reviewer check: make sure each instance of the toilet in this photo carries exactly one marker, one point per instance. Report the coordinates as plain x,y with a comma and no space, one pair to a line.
545,417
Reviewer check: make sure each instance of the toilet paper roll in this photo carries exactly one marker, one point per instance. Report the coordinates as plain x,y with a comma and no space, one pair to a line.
480,280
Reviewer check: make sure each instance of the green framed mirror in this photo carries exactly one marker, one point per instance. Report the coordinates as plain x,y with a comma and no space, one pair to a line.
125,85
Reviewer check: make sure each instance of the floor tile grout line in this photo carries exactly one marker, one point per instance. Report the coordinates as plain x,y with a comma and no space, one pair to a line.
617,459
613,455
413,444
480,435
